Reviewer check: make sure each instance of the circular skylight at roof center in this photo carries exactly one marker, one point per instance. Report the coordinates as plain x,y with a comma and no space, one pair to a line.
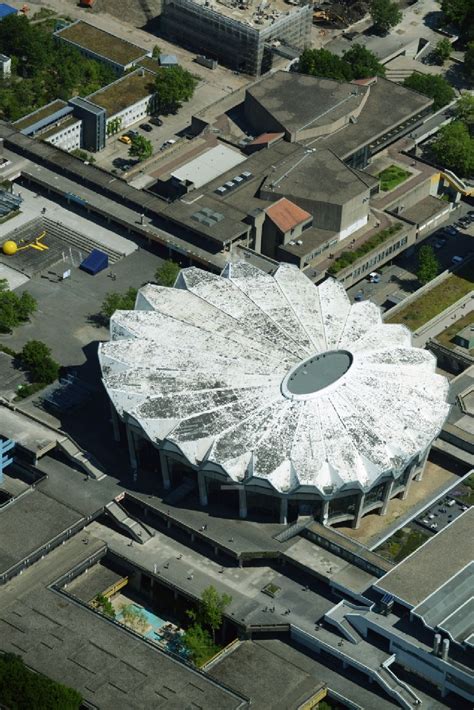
316,373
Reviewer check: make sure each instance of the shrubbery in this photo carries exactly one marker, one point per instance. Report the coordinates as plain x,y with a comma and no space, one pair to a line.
348,257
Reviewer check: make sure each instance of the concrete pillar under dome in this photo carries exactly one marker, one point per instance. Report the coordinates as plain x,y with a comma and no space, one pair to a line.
410,478
202,488
386,496
283,511
242,503
420,469
115,422
131,449
359,511
325,512
165,471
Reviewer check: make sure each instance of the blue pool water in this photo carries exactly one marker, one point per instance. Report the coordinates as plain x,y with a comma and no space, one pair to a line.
156,622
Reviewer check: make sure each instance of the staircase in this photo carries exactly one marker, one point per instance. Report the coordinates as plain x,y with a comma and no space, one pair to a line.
80,457
130,525
293,529
390,683
69,237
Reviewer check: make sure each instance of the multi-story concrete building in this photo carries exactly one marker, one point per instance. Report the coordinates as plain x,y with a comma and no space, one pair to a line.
239,34
127,100
54,123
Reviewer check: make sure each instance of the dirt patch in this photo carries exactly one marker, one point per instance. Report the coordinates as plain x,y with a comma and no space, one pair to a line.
375,526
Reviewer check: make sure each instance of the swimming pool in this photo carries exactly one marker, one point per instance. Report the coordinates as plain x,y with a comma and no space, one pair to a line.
174,644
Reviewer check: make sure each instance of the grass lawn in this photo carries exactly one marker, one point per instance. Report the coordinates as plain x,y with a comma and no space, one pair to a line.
392,177
401,544
434,301
446,337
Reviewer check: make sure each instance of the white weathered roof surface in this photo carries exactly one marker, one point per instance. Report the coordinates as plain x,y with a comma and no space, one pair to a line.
201,365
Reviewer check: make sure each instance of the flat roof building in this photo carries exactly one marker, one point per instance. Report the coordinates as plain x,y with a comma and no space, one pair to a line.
352,119
103,46
238,34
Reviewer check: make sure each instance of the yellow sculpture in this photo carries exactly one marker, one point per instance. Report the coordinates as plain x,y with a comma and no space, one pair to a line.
10,247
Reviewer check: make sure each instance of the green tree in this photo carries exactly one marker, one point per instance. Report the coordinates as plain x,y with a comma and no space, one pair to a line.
469,62
134,617
167,273
14,309
363,62
140,148
464,110
36,357
435,87
385,15
460,13
199,644
428,265
105,605
21,688
211,607
173,85
454,148
443,50
321,62
156,52
118,302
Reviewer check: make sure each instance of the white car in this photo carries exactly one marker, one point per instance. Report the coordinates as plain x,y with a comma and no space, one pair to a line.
4,163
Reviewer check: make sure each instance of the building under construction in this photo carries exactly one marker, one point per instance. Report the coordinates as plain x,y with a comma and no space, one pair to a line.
239,33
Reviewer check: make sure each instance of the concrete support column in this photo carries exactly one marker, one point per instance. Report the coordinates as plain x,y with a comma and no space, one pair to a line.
325,512
242,503
165,471
410,478
131,449
283,511
202,488
386,496
115,422
359,511
420,469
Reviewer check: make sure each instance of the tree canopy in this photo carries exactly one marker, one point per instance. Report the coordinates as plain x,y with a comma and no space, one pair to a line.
385,15
436,87
460,13
21,688
36,357
464,110
428,265
469,62
167,273
115,301
199,644
14,309
454,148
357,63
173,85
443,50
42,68
140,148
211,607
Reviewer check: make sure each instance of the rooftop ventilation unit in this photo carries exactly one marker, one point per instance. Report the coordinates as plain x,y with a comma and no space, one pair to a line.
246,175
299,242
238,180
291,243
207,216
230,185
220,190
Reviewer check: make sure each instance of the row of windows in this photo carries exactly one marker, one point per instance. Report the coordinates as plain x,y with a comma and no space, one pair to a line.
376,259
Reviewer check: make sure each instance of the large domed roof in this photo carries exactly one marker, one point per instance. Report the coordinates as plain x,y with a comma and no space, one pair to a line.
274,378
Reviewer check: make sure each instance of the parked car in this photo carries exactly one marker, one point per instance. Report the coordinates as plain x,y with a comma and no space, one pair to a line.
125,139
450,231
374,277
132,134
439,243
156,121
457,259
146,127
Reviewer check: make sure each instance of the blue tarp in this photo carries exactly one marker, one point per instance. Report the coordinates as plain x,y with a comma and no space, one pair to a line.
6,10
95,262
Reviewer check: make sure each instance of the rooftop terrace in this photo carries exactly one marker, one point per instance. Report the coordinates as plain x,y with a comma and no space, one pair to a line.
254,14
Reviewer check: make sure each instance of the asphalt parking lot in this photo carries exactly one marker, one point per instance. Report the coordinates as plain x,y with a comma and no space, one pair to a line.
442,513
